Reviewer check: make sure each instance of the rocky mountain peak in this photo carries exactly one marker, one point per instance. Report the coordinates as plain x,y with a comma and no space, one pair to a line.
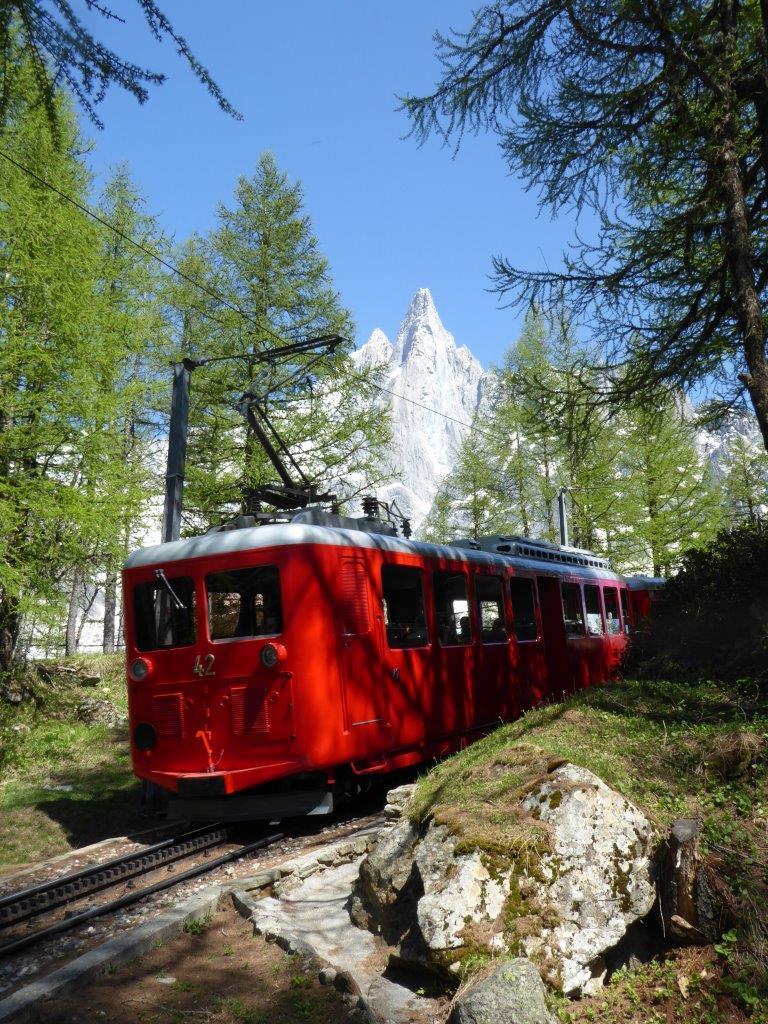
421,332
436,390
377,351
422,309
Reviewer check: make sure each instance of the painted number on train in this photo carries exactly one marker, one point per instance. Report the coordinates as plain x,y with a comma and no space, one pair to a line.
204,666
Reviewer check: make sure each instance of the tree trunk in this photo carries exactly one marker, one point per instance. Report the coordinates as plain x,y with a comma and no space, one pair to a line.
70,641
10,622
110,607
741,269
84,618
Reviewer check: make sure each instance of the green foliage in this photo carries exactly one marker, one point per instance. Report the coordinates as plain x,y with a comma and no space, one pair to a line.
79,320
712,620
654,120
197,925
638,489
669,501
263,259
468,501
47,361
745,470
60,45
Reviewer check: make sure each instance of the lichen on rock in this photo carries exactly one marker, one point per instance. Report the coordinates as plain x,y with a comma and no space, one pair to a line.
577,876
513,993
597,877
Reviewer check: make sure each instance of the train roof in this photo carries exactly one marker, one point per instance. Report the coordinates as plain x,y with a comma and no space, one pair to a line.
641,582
533,556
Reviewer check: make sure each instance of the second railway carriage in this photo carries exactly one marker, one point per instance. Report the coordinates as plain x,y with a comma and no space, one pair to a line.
272,669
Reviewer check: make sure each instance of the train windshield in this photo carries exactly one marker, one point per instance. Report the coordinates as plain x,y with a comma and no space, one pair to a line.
244,603
164,612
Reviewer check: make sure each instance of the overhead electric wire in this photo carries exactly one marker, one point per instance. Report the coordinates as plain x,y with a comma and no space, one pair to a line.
127,238
223,300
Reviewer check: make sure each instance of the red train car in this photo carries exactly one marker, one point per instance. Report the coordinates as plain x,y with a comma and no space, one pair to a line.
275,668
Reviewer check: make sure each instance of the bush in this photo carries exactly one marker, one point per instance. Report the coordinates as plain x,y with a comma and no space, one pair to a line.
713,618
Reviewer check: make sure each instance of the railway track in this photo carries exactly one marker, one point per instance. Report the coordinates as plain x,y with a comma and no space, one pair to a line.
37,900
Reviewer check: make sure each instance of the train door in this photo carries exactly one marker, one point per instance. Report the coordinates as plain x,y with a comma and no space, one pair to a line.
614,640
576,641
500,698
249,703
530,669
364,696
463,693
406,654
594,647
559,665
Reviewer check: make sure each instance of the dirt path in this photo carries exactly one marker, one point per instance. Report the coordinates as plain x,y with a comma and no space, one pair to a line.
221,975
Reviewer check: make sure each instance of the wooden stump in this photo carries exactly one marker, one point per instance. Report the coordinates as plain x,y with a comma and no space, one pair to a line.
686,910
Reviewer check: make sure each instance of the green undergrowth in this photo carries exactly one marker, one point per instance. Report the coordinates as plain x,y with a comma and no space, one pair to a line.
675,750
694,985
65,773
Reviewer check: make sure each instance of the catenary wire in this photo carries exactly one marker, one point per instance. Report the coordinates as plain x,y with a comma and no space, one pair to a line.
225,302
127,238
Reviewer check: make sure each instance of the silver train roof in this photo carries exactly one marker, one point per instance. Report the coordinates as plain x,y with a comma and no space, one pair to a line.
288,534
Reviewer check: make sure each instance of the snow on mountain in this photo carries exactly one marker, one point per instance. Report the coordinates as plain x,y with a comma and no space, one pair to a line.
718,442
436,388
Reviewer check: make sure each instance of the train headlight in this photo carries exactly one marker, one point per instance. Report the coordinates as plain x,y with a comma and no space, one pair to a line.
139,669
144,736
272,655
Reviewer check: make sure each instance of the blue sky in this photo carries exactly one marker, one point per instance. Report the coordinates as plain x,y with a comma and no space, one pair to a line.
317,85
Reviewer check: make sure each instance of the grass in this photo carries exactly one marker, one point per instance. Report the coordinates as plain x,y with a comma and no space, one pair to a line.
66,779
676,751
689,986
197,925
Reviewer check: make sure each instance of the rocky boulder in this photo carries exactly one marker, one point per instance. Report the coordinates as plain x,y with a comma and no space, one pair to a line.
513,994
436,901
598,878
398,800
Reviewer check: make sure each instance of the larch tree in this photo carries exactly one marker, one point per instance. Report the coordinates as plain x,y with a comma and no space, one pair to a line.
533,442
50,348
469,502
263,260
571,441
670,501
133,331
64,48
654,118
745,481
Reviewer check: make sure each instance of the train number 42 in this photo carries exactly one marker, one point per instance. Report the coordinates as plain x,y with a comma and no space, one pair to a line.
204,666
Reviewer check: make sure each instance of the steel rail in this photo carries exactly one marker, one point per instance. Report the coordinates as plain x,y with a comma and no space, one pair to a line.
55,892
15,945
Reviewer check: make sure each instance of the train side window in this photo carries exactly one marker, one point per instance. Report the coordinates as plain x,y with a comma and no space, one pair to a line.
159,621
404,617
625,611
489,593
524,609
452,608
244,603
612,620
592,605
573,616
